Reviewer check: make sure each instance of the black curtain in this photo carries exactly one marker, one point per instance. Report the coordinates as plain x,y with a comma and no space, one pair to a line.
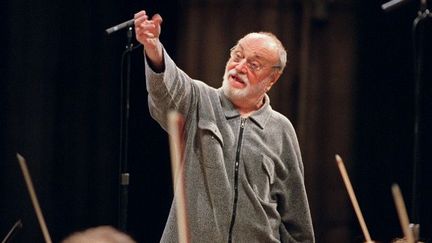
60,109
385,118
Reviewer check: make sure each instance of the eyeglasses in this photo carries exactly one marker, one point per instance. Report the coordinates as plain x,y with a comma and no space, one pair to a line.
253,65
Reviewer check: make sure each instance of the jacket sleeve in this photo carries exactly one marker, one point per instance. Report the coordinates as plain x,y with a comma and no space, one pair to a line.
293,204
171,89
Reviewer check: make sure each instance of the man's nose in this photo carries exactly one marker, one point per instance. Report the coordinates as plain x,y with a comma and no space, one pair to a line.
241,66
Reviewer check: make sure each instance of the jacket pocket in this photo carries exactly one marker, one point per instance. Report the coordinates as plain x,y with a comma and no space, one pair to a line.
263,178
210,143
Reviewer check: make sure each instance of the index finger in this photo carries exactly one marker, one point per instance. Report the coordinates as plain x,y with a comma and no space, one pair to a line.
140,14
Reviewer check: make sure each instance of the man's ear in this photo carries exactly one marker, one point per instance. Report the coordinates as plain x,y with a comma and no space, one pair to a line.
274,78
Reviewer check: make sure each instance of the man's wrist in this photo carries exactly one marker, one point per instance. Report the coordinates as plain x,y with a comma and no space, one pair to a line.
154,58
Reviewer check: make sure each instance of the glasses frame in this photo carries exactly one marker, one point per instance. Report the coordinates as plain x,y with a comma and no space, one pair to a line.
249,64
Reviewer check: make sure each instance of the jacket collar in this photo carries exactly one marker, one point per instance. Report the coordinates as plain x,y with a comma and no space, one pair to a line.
260,117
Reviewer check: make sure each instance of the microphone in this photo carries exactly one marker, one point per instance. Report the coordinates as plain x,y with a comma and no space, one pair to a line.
393,4
120,26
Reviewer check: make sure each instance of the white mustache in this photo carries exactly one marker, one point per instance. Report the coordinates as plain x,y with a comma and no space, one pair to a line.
242,77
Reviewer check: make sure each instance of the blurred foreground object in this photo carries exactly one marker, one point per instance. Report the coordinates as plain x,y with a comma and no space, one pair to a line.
100,234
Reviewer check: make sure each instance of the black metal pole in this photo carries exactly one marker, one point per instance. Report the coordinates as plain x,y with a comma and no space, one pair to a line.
418,55
418,42
124,136
124,122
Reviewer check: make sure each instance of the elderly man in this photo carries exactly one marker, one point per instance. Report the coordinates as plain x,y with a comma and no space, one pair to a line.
243,168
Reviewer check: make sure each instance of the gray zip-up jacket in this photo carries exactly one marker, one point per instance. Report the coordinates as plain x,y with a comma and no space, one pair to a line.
243,176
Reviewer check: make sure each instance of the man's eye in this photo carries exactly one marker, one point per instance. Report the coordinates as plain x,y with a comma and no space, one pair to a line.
254,65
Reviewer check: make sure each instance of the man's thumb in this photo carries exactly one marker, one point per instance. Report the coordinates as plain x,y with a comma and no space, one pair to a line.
157,19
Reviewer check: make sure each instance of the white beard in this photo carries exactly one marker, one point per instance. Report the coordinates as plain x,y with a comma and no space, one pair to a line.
246,94
232,92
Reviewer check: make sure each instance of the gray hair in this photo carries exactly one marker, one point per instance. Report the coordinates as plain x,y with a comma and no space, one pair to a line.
280,48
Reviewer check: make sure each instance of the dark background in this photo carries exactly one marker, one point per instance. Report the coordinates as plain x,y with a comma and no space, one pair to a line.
386,104
60,108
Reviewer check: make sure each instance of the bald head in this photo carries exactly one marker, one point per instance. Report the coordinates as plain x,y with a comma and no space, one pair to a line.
271,43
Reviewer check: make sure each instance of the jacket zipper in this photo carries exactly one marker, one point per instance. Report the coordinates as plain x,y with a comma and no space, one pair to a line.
236,171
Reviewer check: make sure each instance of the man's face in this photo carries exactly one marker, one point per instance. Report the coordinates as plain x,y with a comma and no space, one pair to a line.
250,71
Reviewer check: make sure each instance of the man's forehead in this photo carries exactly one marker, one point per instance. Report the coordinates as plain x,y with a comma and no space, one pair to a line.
261,46
258,39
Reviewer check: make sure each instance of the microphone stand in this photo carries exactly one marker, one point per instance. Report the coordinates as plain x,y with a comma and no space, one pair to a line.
124,123
124,135
418,47
418,44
